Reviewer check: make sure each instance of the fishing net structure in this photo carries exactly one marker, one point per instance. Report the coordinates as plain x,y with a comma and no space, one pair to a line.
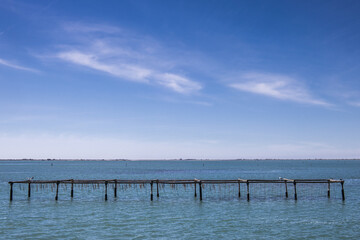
177,189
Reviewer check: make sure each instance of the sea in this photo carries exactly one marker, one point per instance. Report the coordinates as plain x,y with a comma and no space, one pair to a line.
177,213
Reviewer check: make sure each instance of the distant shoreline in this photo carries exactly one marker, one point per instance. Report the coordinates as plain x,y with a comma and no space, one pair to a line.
184,160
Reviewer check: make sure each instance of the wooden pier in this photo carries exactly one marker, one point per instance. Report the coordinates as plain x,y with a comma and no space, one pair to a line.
193,182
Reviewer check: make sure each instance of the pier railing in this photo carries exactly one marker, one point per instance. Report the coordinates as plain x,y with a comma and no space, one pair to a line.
195,182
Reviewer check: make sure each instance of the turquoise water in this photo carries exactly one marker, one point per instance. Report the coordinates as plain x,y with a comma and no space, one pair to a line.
176,214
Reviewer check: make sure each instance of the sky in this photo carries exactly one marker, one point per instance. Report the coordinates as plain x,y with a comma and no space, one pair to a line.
179,79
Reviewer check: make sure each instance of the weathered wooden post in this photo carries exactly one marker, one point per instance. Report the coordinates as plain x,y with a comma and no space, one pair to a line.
328,189
342,190
157,188
151,193
106,184
286,190
115,188
72,188
239,189
295,193
29,189
195,188
11,191
200,190
57,190
248,190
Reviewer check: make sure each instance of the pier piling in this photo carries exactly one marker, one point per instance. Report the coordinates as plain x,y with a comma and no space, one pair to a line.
115,188
342,190
200,190
328,192
157,188
57,191
195,189
72,188
106,185
29,189
248,190
295,193
151,194
239,194
286,190
11,191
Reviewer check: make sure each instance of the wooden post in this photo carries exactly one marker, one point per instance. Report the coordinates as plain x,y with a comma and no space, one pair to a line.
195,189
328,189
286,190
248,190
72,188
57,190
115,188
106,183
239,189
11,191
295,193
157,188
342,190
151,193
29,189
200,190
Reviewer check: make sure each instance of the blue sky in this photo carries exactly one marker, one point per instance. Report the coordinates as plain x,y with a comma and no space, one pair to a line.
179,79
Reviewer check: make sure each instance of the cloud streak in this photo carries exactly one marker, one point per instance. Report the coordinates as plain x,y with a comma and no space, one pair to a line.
125,56
15,66
276,86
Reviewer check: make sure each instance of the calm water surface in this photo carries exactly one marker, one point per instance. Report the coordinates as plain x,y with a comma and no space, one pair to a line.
177,214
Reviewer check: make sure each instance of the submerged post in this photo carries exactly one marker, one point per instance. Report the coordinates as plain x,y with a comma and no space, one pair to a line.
57,190
248,190
72,188
115,188
239,189
106,183
295,193
11,191
328,189
29,189
151,193
195,187
200,190
157,188
342,190
286,190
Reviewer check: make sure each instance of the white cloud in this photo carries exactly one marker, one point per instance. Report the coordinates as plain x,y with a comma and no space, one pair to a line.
276,86
124,55
93,28
177,83
15,66
356,104
127,71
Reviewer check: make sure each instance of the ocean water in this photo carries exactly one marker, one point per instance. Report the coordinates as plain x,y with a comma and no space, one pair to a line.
176,214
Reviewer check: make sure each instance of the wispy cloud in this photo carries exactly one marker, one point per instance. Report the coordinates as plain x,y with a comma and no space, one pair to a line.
124,55
16,66
277,86
355,104
130,72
